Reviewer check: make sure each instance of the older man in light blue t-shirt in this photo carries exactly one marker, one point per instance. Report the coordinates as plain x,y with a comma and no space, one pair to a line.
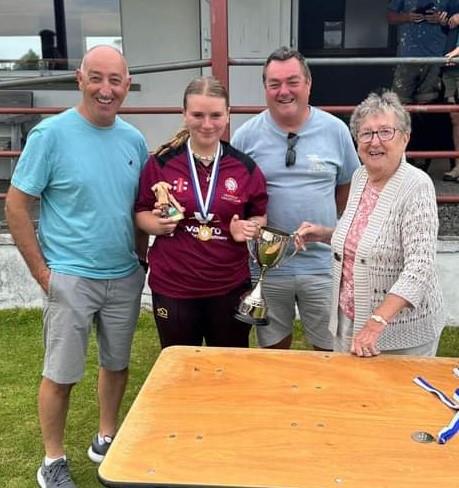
85,165
308,158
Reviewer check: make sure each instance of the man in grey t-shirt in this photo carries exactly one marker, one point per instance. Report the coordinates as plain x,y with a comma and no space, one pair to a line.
308,158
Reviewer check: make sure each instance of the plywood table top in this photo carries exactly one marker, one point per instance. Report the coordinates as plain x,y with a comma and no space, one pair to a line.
224,417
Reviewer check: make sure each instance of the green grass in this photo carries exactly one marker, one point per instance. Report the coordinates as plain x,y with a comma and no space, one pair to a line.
21,353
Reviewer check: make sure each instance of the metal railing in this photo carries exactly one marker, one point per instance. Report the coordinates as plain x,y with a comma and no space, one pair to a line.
337,109
220,63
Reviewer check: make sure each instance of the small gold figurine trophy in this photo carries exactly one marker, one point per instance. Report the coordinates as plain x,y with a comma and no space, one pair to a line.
170,207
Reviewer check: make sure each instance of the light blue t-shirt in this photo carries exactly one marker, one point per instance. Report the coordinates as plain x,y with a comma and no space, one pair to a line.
87,178
419,39
325,158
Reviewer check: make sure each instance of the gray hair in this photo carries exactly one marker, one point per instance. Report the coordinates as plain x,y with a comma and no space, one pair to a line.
375,104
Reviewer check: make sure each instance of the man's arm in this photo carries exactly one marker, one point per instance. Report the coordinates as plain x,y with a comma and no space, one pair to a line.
17,211
341,195
395,18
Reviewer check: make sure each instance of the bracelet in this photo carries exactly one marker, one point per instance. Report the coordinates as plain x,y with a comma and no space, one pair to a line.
379,319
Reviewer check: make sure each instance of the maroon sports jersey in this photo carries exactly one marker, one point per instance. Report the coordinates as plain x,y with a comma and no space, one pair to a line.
183,266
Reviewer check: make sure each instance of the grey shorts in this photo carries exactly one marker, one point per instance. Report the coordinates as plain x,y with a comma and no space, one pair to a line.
312,295
343,341
75,305
418,83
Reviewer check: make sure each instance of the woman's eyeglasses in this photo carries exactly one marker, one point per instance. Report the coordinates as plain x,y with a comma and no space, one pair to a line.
290,155
384,134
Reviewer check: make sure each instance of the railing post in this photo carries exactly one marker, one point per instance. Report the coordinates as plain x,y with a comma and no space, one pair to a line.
219,43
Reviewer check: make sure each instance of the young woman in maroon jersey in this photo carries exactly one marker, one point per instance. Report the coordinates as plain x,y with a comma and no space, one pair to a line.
199,264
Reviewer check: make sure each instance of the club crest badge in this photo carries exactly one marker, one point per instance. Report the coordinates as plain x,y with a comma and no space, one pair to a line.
231,185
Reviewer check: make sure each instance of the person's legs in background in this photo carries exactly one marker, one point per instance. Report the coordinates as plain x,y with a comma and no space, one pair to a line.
451,83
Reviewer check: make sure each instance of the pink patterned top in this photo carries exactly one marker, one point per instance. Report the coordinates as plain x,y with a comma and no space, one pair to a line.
366,206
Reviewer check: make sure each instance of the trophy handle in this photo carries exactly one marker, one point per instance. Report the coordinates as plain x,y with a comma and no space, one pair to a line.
295,250
251,247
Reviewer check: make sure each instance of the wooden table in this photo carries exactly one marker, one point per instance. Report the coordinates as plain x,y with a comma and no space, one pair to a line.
223,417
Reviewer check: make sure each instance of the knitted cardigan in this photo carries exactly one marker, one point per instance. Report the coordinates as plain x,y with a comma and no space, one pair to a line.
396,254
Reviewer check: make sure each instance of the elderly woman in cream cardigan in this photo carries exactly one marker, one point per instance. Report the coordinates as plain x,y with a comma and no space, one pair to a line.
386,293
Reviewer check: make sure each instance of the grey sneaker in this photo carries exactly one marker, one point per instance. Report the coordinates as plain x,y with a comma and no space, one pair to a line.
56,475
96,451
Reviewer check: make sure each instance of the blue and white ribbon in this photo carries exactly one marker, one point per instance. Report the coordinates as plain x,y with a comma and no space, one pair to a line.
453,427
443,398
204,207
450,430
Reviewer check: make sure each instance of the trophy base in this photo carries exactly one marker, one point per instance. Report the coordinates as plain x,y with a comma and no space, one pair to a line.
251,320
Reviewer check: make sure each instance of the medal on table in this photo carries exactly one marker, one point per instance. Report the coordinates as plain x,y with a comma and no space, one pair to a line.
203,216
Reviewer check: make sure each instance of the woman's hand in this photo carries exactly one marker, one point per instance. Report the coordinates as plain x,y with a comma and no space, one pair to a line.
364,343
308,232
163,225
243,230
153,224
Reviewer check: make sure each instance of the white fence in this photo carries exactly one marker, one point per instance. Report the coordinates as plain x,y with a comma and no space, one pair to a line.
18,289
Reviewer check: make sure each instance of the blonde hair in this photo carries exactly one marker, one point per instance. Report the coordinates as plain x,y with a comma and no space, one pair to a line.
204,85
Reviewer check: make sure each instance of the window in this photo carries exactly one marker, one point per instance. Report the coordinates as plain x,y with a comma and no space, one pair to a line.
54,34
344,28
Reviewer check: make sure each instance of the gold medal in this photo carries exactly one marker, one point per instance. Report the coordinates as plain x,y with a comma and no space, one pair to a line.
204,233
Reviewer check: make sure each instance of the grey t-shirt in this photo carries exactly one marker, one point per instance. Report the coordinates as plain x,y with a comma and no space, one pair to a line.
325,158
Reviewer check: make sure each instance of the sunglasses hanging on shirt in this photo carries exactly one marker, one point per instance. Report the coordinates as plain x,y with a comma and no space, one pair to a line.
290,155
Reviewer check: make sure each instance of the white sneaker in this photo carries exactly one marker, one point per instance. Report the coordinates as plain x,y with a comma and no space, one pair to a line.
452,175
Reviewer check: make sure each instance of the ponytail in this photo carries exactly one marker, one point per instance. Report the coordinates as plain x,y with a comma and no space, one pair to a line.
180,137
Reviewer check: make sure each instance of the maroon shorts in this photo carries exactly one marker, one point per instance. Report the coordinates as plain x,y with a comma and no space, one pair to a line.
194,321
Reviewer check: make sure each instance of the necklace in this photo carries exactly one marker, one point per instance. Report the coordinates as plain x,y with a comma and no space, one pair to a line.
204,158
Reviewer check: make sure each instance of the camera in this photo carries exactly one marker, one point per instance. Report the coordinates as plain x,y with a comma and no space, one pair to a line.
429,8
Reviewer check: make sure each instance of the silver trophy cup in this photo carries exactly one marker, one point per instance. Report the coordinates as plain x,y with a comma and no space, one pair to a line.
268,250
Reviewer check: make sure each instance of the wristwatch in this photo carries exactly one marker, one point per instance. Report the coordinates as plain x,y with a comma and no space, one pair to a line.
379,319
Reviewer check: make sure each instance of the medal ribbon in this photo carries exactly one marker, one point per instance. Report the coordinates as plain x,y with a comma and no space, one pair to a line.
443,398
453,427
204,207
